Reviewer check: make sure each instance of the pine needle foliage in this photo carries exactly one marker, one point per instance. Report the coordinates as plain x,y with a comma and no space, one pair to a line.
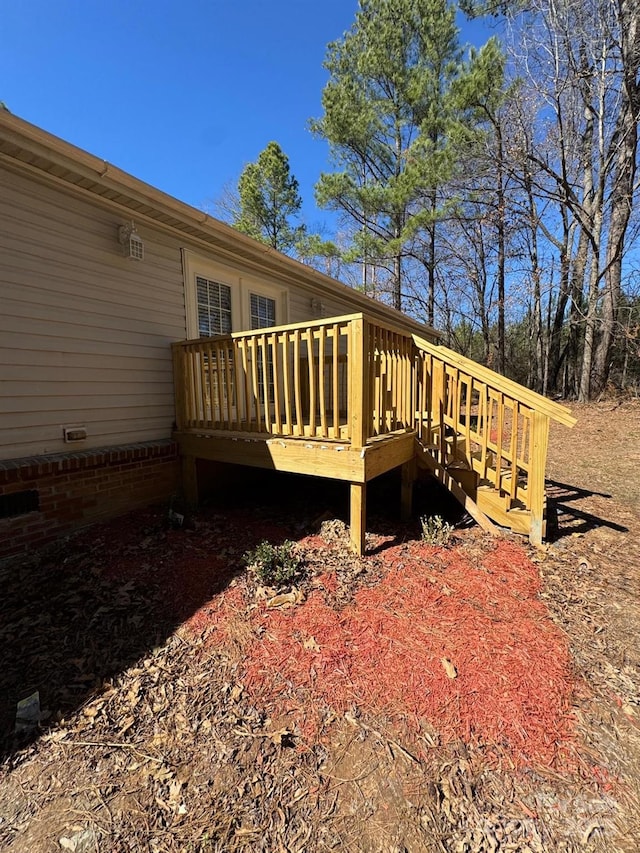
269,201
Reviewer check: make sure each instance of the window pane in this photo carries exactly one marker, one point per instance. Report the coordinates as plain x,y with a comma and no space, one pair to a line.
214,307
263,311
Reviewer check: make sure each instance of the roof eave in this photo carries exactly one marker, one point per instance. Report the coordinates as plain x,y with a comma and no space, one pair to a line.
33,140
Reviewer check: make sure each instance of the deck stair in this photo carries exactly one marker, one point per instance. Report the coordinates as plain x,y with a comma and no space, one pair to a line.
488,433
351,397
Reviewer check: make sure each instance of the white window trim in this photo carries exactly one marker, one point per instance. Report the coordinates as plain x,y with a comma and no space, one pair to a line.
261,288
242,287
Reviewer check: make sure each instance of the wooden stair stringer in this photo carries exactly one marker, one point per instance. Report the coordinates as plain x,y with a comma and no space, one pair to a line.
441,474
487,505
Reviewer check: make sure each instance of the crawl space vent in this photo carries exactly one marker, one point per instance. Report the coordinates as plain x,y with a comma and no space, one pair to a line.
19,503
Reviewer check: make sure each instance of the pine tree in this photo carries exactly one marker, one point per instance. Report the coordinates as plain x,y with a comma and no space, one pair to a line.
394,117
269,201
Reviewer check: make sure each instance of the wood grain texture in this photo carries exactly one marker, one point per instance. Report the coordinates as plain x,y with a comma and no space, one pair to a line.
376,389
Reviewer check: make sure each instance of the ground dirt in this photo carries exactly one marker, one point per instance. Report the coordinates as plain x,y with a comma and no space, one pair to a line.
482,696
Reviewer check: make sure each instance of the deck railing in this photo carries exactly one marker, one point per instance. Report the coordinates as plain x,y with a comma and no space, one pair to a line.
351,379
345,378
471,417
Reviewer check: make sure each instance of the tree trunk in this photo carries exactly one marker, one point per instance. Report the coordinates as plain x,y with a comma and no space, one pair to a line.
501,250
431,265
539,352
572,279
576,315
397,282
584,392
625,139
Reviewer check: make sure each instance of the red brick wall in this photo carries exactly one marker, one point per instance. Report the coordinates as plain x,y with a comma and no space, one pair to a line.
76,489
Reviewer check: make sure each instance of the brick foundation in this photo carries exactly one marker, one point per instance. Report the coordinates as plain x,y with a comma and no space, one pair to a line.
76,489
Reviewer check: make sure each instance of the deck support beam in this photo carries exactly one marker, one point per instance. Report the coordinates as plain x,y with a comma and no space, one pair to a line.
358,517
406,493
190,481
333,460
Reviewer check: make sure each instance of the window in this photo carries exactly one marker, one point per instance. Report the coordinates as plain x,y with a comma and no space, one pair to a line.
263,311
221,299
214,307
263,315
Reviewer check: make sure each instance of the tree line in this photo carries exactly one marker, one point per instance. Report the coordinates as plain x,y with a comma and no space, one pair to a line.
490,192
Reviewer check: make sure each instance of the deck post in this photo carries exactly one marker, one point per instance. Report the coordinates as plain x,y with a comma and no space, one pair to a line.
358,517
535,486
406,493
359,414
190,481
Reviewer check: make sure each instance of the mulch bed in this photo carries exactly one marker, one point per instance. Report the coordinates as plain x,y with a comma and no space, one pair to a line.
462,651
384,648
419,697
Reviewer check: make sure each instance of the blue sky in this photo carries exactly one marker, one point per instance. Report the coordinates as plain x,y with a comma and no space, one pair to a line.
180,94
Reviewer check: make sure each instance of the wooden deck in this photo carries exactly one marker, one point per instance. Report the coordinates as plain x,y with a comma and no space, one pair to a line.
349,398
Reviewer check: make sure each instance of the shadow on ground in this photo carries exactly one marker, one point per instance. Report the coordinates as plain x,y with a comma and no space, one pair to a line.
566,516
76,615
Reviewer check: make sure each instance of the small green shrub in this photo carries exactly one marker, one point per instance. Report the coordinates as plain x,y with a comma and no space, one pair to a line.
275,565
435,530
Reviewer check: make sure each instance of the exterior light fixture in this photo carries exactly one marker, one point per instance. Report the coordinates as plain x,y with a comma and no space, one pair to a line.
130,240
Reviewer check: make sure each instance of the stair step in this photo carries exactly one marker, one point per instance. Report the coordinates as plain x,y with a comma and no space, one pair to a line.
492,496
494,503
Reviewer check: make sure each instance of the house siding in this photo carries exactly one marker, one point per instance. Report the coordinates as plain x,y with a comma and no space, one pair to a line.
84,332
85,341
302,302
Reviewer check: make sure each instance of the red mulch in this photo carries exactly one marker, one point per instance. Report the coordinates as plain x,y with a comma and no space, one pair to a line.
380,654
383,653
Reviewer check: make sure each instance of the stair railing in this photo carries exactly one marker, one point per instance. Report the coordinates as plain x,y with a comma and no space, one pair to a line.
471,418
352,379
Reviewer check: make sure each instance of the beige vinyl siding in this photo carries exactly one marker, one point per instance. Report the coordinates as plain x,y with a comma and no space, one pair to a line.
301,306
84,332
